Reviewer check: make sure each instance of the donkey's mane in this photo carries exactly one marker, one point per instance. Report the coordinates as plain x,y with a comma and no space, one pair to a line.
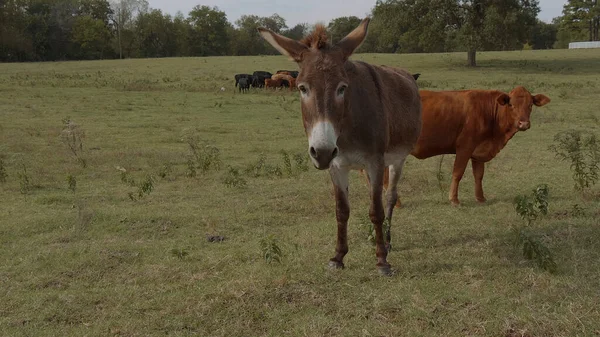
317,39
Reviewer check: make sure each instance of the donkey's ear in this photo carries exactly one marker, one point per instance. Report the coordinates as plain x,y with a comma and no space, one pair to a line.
286,46
353,40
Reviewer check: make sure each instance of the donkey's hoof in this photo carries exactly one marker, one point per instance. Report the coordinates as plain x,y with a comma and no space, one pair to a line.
385,270
335,265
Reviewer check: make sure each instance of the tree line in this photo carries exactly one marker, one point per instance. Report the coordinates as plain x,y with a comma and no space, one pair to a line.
49,30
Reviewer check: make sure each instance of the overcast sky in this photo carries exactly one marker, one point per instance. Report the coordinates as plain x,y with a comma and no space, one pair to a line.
310,11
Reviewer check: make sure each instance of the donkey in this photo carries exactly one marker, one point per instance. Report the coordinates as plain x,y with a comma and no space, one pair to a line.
356,116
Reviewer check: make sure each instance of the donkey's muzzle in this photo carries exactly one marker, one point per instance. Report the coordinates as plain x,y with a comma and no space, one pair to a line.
322,157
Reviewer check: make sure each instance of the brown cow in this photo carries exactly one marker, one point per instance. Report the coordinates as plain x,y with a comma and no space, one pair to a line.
355,115
473,124
284,76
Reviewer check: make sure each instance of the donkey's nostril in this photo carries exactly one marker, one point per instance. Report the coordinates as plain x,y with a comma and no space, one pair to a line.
335,153
313,153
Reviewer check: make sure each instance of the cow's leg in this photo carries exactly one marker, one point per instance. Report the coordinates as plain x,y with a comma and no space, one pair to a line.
377,215
460,164
478,170
339,178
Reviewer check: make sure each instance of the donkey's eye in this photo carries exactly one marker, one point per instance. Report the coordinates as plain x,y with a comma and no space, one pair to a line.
303,89
341,90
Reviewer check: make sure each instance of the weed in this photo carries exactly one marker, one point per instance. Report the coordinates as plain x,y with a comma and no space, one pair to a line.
72,136
577,211
24,180
72,182
582,150
165,170
146,186
287,163
301,162
233,178
261,168
440,177
179,253
3,174
202,157
529,209
125,176
271,252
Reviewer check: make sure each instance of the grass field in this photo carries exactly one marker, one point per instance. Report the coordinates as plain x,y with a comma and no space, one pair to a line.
107,255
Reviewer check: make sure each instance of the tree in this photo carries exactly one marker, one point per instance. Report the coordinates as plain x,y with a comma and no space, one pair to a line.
340,27
543,35
124,13
92,36
582,15
297,32
209,31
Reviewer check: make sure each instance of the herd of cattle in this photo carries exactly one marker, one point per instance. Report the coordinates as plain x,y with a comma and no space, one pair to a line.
264,79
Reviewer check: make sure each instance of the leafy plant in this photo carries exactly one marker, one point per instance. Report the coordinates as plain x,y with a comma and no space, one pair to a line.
271,252
165,170
529,208
582,150
233,178
146,186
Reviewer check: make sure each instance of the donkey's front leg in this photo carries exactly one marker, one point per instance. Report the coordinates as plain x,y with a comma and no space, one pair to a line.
376,213
339,178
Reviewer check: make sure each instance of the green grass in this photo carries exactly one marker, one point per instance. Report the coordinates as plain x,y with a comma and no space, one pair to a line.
90,261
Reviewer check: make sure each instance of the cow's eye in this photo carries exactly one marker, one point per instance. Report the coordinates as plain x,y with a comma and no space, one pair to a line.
303,89
341,90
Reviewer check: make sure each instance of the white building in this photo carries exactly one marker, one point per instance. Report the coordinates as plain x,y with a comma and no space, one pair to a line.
580,45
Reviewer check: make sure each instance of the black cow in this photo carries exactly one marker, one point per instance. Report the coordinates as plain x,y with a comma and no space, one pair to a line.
238,76
244,84
259,77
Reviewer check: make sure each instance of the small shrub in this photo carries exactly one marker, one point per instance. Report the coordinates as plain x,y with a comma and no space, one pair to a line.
270,249
582,150
72,182
3,174
233,178
72,136
529,209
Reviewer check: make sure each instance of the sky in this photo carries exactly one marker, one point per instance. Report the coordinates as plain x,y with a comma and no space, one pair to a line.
310,11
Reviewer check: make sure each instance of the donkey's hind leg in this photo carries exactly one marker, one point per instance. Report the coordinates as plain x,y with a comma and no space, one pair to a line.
392,195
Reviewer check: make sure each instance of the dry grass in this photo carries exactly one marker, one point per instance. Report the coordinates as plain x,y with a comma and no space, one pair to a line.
93,262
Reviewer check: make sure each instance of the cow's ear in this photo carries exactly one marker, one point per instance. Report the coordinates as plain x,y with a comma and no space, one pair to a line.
503,99
541,100
354,39
286,46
